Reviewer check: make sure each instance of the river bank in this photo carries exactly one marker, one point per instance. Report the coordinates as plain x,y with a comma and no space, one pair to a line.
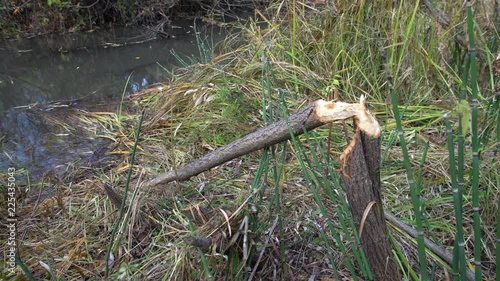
28,19
277,213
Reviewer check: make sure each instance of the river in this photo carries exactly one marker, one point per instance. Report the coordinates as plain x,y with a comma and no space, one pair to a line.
85,69
94,65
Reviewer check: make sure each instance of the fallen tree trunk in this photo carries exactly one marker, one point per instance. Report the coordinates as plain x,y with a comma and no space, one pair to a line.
360,169
314,115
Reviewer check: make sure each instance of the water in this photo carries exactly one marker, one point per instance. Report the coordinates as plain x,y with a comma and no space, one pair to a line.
48,79
52,68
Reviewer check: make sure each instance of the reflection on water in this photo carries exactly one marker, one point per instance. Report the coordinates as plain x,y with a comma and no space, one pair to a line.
81,69
42,142
49,68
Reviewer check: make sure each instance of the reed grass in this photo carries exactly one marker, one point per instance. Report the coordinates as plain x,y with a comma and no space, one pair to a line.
498,233
122,214
24,269
203,258
459,265
286,211
475,142
316,182
414,188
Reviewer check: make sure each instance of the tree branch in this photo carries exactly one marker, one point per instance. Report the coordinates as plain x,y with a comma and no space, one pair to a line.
439,250
314,115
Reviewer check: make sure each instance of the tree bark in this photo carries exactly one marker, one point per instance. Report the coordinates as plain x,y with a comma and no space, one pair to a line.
360,171
314,115
261,138
439,250
361,183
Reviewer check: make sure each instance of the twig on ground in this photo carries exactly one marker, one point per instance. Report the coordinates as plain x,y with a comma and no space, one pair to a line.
314,115
435,248
270,233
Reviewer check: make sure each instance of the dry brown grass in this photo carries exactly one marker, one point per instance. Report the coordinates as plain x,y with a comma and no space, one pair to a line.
67,223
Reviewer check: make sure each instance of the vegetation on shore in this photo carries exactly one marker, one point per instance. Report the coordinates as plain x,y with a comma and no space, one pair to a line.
280,214
21,18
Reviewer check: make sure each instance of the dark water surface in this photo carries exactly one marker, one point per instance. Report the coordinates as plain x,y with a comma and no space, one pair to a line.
94,65
79,71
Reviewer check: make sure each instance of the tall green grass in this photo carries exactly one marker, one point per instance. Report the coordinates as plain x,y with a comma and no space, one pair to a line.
415,189
305,53
497,181
419,79
205,50
475,141
459,265
122,214
410,69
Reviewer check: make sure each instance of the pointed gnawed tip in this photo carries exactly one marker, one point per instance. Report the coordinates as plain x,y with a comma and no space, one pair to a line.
362,100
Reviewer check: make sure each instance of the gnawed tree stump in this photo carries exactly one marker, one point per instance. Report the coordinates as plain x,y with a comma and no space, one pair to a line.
361,183
360,162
